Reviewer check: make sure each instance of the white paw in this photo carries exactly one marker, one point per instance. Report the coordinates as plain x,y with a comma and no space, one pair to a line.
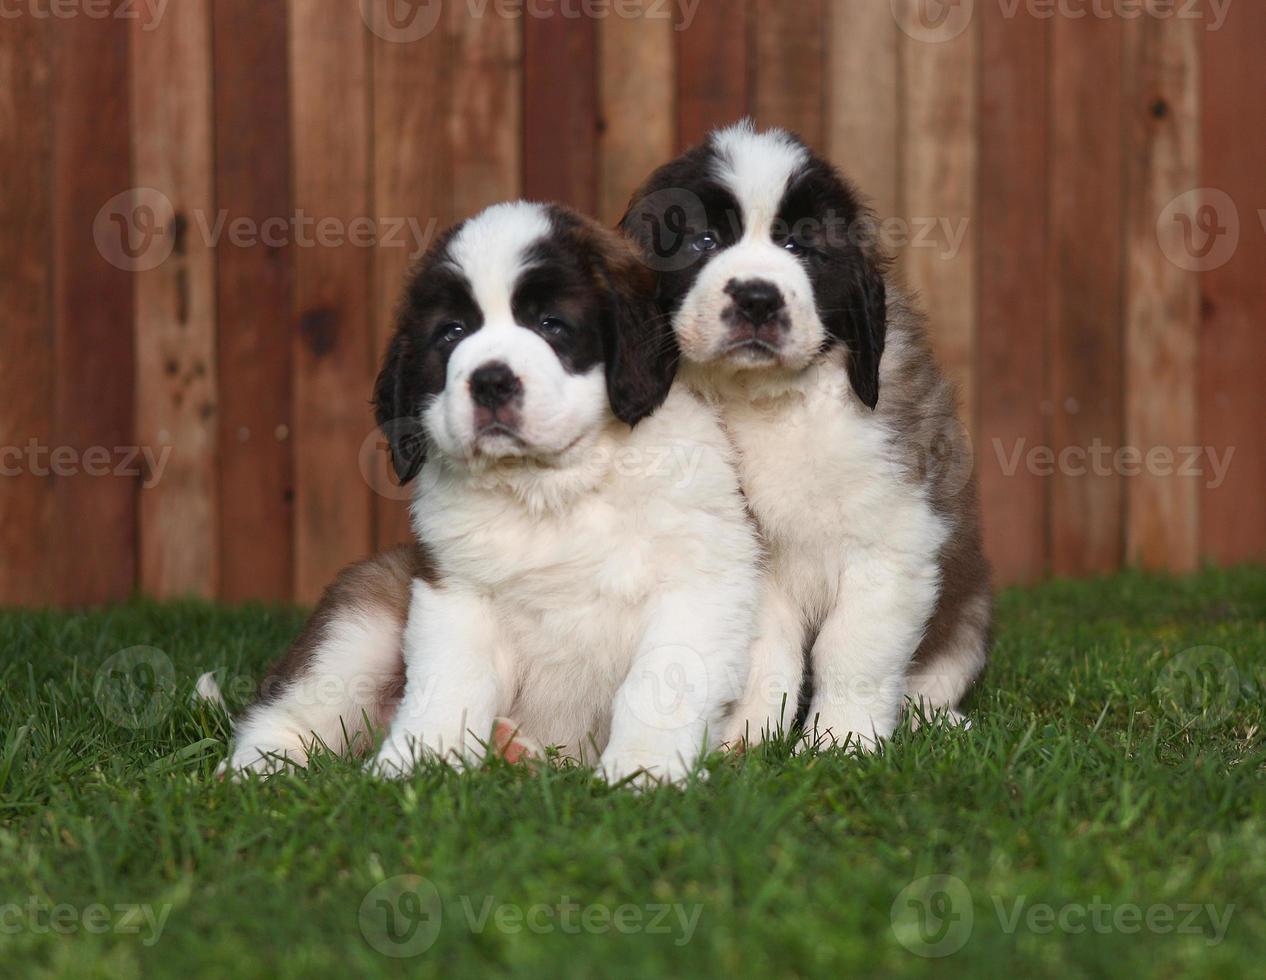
264,762
396,759
752,722
857,732
643,770
938,717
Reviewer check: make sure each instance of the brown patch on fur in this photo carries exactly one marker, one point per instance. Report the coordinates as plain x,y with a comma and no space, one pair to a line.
381,585
637,382
920,406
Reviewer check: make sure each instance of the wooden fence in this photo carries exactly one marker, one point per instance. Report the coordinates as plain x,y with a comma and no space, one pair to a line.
1043,161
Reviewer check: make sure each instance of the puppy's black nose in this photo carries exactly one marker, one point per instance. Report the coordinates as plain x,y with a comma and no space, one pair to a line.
494,385
757,300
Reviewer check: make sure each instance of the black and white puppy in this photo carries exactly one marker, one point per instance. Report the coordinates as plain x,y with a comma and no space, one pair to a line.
584,566
850,451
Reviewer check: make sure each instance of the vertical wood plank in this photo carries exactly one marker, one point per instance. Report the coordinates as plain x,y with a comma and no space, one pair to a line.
333,362
637,85
412,180
939,162
560,108
790,62
1010,341
26,366
1232,400
94,537
1162,300
713,68
485,122
175,303
252,176
1085,293
862,99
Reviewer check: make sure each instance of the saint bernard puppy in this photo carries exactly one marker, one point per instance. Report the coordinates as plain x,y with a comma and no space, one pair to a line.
851,455
584,562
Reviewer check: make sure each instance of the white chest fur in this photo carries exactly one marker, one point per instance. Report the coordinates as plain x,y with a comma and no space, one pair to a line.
570,566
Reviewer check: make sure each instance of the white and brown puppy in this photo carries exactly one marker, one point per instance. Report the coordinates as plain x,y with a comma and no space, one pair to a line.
585,562
850,452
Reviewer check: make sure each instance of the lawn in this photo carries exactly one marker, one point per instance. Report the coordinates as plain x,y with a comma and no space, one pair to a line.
1105,815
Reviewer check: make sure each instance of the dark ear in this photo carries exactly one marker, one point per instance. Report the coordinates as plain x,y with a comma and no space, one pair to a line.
641,348
397,407
862,326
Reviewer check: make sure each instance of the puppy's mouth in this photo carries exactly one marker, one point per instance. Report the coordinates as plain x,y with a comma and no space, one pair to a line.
751,350
495,437
497,431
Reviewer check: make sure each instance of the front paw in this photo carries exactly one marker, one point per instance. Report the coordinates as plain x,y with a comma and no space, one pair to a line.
752,722
395,759
856,731
643,770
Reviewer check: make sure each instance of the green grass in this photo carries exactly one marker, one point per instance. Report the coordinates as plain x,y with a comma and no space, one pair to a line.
1094,776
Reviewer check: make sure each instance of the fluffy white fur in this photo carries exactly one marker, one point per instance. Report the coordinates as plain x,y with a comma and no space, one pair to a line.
607,608
852,552
335,703
852,542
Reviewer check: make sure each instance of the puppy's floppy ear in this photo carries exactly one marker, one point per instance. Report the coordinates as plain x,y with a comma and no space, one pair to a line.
863,324
640,346
397,407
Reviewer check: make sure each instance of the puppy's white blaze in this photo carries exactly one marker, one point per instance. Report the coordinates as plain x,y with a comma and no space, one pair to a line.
757,167
490,251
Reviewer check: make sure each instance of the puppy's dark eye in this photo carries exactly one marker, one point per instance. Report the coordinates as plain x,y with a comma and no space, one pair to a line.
451,332
554,326
794,246
705,242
